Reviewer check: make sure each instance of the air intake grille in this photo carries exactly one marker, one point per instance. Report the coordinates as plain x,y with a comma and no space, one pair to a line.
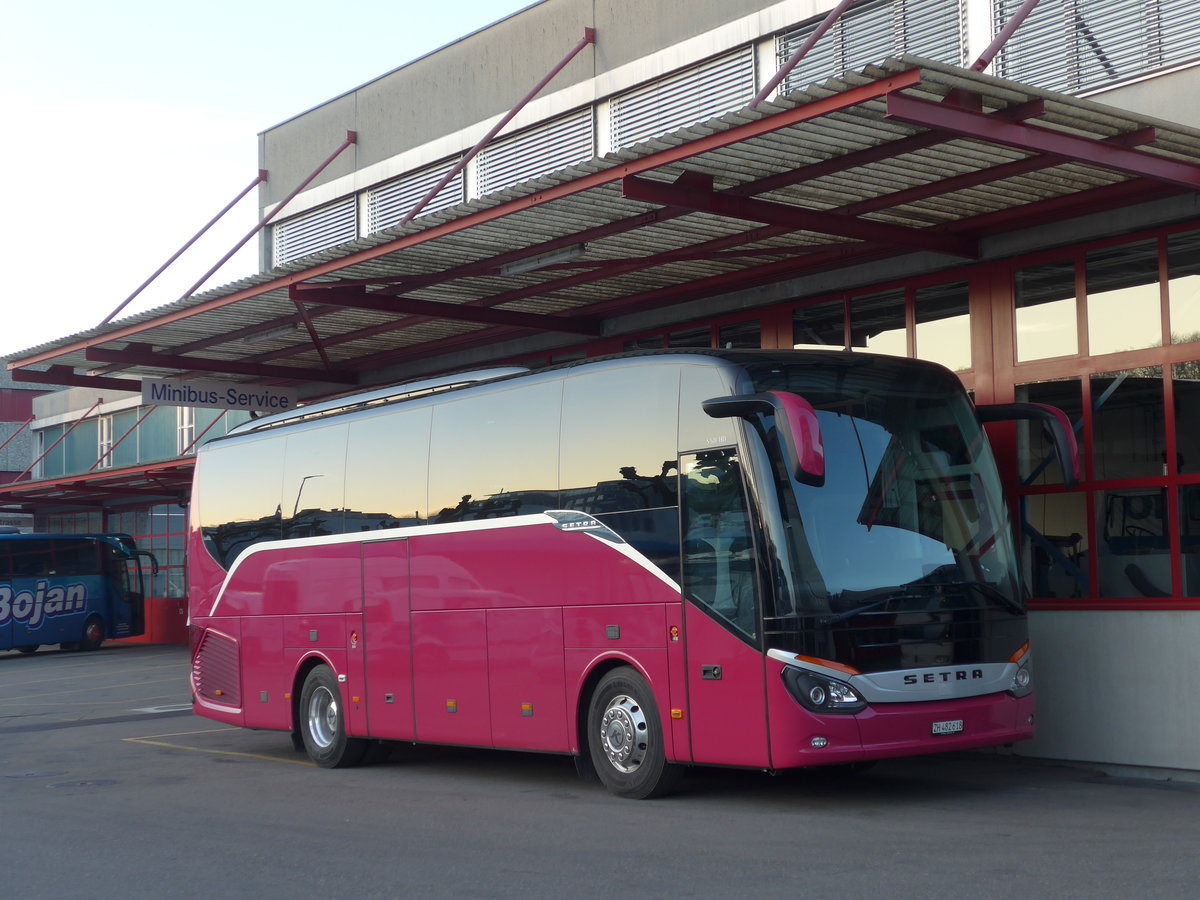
537,151
391,202
1073,45
683,98
315,230
873,31
215,670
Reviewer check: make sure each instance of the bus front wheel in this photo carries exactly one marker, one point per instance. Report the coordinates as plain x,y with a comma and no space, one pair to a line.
93,634
625,737
323,723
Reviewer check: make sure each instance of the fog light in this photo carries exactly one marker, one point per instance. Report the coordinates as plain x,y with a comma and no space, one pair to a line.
1023,678
820,743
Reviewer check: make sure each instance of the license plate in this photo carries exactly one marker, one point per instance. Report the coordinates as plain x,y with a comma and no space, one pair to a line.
953,726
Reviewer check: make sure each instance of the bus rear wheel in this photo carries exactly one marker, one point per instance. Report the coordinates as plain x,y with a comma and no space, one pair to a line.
323,723
93,633
625,740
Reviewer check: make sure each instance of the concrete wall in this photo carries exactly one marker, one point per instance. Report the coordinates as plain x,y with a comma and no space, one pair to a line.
1117,687
483,75
1171,97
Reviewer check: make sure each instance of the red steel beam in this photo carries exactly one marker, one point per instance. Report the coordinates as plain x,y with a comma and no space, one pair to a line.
198,438
67,377
817,108
801,52
1036,139
62,437
985,58
262,176
589,37
115,444
8,439
350,140
232,367
694,196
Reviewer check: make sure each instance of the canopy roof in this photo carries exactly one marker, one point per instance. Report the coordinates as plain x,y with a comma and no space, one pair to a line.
901,157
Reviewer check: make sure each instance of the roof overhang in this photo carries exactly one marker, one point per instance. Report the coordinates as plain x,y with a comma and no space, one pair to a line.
168,481
901,158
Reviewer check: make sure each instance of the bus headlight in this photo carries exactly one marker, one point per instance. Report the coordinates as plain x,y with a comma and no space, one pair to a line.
1022,683
820,694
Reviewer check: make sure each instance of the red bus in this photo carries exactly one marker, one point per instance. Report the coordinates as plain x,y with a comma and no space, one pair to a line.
766,559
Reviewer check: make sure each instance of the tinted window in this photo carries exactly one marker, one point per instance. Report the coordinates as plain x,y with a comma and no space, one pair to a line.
718,548
239,495
618,439
386,463
314,482
495,454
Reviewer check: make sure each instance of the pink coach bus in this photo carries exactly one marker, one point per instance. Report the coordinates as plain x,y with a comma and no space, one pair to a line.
767,559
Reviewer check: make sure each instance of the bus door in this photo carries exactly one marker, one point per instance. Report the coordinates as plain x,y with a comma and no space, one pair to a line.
383,645
725,668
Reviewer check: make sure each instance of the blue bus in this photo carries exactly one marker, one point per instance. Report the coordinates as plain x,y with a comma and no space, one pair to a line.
74,590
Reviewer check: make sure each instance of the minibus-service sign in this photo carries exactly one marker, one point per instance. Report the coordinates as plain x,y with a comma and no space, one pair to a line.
217,395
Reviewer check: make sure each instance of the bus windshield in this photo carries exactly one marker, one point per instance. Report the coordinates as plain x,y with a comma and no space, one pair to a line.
910,516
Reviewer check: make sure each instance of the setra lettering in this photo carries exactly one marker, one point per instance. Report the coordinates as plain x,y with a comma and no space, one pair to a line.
941,677
44,601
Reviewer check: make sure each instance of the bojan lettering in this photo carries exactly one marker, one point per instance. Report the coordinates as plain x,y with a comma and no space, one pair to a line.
44,601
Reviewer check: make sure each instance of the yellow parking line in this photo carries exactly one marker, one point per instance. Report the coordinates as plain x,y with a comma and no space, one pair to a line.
150,740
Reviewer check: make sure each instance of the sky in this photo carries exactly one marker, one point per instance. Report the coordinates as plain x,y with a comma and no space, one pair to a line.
128,125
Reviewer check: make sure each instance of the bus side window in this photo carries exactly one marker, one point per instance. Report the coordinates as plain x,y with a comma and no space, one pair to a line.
718,547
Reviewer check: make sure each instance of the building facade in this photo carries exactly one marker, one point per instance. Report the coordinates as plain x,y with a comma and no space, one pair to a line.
1079,286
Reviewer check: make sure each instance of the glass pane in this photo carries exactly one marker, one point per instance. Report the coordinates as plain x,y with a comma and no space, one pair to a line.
1183,272
819,327
943,325
1054,537
620,455
1133,550
1037,461
381,451
1123,298
495,454
125,453
691,337
1045,311
1189,538
877,323
314,482
740,335
240,485
157,435
1127,424
81,447
718,549
1186,387
652,342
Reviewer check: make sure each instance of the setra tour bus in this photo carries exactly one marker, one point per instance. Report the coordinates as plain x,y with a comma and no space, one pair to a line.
767,559
74,590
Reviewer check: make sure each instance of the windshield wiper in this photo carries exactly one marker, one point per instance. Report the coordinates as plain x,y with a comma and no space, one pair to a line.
988,592
875,604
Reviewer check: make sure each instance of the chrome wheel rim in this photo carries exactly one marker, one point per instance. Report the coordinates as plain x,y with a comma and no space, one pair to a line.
624,733
322,717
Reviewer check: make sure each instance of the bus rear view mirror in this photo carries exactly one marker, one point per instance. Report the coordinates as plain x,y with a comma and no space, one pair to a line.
1054,422
795,422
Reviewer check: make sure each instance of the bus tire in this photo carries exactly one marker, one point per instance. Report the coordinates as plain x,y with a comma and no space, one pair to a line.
323,723
624,736
28,648
93,633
